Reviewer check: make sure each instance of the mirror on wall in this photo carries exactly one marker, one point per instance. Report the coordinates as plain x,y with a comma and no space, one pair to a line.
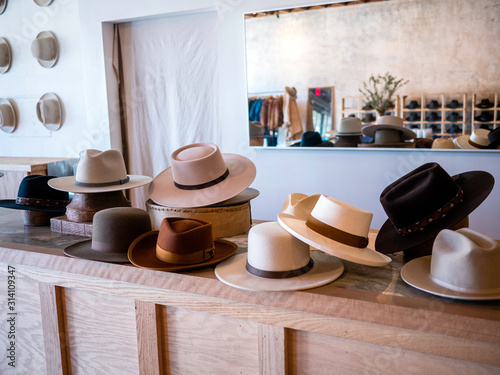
330,50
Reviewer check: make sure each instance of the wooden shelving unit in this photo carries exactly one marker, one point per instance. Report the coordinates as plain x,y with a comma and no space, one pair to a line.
477,111
450,113
355,104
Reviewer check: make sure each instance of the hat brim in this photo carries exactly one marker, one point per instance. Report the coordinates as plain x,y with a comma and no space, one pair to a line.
48,34
417,273
43,3
142,253
5,69
370,130
389,145
463,142
11,203
67,183
83,250
476,186
51,126
242,172
233,272
298,228
349,134
245,196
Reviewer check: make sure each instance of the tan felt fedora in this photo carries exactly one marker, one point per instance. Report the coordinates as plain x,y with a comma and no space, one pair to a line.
277,261
113,230
49,111
45,49
332,226
200,175
464,265
180,244
5,55
8,117
99,172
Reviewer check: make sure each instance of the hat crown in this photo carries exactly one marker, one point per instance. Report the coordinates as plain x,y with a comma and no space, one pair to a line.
196,164
418,194
114,229
6,115
350,125
272,248
443,143
101,167
36,186
4,54
390,120
310,138
387,136
466,261
480,137
342,216
299,205
48,111
44,48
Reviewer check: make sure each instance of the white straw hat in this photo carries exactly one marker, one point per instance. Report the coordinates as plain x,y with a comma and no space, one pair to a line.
332,226
49,111
99,172
477,140
277,261
5,55
8,118
45,49
464,264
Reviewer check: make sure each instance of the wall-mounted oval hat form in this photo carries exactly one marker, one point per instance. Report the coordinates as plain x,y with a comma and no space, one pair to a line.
49,111
3,6
45,49
5,55
8,118
43,3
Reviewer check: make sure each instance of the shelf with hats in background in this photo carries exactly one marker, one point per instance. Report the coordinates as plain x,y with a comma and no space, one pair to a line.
444,114
354,105
485,111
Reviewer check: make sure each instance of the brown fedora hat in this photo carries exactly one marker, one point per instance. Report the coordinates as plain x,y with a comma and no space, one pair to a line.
113,230
180,244
423,202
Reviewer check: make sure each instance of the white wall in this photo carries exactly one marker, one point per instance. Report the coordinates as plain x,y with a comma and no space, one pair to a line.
357,177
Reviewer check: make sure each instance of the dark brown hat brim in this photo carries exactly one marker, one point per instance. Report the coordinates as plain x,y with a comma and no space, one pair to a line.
142,253
83,250
476,185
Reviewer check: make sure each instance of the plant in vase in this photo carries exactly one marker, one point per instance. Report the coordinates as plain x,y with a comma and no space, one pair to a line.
378,91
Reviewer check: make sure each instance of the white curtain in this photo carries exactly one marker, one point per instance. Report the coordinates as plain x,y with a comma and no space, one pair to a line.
167,71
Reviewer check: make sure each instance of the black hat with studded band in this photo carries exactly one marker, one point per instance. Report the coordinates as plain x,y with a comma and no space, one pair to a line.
425,201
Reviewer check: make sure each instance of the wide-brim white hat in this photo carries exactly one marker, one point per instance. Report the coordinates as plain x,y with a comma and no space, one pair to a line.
99,172
277,261
5,48
294,219
463,265
389,123
477,140
200,175
53,59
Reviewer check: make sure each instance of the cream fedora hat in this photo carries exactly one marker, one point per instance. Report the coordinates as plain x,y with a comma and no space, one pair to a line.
332,226
350,126
200,175
277,261
45,49
389,123
443,143
8,118
464,264
477,140
5,55
99,172
49,111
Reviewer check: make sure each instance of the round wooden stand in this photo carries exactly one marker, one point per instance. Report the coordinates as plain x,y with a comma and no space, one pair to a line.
83,206
37,218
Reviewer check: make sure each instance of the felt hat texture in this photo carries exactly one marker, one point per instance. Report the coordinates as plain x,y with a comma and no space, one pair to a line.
99,172
454,104
180,244
350,126
413,105
477,140
5,54
494,138
485,103
277,261
313,139
200,175
49,111
34,194
3,6
113,231
45,49
8,117
426,200
389,122
332,226
433,104
347,141
464,264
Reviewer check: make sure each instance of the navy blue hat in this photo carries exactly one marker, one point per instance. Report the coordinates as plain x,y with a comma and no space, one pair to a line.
433,105
454,104
413,105
433,116
413,117
454,117
35,194
313,139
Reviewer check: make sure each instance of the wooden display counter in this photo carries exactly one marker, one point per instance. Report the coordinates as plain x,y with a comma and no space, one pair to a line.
74,316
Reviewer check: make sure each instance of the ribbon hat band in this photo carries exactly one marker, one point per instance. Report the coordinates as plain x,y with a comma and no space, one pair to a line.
204,185
336,234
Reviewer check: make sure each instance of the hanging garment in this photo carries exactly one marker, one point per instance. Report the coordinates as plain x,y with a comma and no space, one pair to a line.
291,116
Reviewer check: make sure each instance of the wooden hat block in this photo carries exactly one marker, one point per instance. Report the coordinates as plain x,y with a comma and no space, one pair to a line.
227,221
81,211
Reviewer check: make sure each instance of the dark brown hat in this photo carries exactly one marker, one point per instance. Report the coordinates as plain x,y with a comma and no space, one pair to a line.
425,201
180,244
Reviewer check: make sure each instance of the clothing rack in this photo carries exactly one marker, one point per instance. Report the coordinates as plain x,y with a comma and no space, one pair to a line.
267,93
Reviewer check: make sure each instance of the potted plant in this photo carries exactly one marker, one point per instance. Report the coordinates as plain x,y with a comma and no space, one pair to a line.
378,91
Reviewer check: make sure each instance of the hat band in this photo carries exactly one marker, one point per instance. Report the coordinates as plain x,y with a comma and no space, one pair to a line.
102,184
41,202
472,143
280,274
191,258
436,215
336,234
204,185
